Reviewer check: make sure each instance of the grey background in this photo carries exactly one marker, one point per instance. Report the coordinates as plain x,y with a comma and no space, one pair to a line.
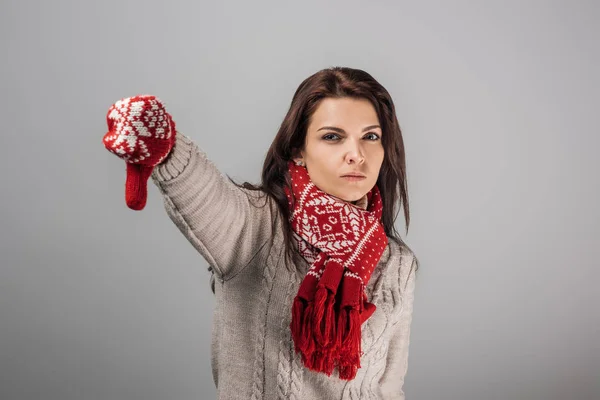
498,102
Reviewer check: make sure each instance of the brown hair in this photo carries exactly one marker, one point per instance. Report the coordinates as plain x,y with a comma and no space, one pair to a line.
337,82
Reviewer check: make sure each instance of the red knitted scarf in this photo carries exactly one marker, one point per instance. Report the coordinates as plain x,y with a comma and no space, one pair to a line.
343,243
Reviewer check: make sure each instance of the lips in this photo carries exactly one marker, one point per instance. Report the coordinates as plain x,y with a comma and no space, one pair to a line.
353,176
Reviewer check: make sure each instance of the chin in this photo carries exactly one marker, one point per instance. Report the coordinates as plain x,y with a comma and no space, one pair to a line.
350,197
345,194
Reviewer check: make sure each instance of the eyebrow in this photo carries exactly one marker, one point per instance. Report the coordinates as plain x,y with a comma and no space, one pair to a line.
340,130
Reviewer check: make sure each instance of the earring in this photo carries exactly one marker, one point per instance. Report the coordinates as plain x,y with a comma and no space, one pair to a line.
300,163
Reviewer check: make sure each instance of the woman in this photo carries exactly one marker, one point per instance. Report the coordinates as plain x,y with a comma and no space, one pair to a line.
314,287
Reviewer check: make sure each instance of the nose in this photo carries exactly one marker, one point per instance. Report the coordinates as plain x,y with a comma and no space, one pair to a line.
354,154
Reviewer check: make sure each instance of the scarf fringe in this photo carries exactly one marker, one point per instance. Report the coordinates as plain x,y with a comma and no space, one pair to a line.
324,318
321,345
349,344
296,325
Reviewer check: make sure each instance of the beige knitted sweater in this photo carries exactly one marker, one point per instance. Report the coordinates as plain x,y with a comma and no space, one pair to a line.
252,350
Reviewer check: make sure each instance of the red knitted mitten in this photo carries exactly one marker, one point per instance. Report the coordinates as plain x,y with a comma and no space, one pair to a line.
141,132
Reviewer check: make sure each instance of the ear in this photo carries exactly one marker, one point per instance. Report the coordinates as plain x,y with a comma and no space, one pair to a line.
298,156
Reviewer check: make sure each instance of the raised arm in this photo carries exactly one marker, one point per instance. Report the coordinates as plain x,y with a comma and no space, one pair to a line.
228,225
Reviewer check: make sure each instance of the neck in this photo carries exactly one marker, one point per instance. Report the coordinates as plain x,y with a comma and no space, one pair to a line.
361,203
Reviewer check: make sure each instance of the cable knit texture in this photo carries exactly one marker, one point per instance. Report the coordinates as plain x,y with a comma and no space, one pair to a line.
252,353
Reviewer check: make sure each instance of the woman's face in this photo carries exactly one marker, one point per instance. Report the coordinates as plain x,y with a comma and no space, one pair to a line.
343,137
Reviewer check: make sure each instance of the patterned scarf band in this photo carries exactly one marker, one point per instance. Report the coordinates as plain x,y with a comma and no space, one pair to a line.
343,243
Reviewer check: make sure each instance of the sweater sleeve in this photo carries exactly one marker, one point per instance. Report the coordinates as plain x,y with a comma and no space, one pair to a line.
226,224
392,380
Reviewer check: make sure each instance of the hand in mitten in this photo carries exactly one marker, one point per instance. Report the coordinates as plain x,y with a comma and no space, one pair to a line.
141,132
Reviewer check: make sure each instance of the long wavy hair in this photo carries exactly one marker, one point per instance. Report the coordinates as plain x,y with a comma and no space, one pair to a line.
336,82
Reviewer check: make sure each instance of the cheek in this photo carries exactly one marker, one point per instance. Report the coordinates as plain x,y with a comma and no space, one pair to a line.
381,157
376,155
381,154
377,162
317,149
321,155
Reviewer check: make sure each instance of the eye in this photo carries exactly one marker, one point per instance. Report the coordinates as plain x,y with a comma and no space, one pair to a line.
329,135
376,136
